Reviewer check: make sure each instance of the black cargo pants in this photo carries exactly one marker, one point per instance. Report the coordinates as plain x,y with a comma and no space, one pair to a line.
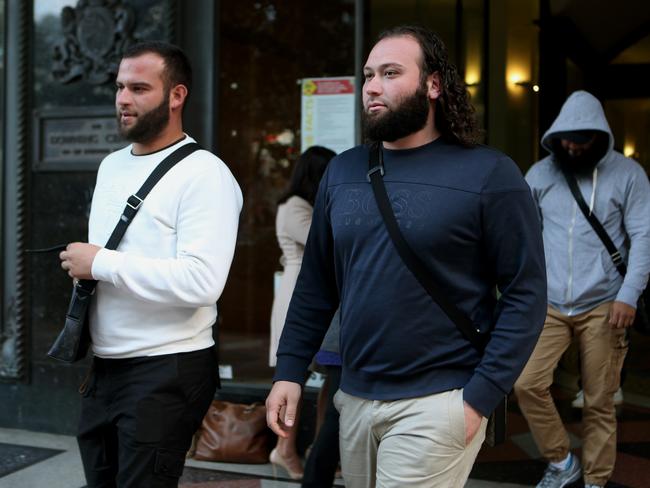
138,416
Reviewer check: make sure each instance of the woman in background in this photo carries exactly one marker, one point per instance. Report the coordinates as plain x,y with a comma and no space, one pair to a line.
292,224
324,455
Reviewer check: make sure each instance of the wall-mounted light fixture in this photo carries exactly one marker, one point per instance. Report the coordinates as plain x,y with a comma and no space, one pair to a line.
472,79
528,85
472,76
517,80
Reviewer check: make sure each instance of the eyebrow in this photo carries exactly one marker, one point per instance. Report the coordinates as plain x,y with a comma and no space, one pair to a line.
133,83
384,66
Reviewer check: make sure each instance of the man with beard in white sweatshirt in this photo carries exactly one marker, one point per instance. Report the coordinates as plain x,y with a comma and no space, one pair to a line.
154,368
587,297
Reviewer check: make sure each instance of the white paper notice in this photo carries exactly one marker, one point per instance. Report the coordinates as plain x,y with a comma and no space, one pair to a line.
327,117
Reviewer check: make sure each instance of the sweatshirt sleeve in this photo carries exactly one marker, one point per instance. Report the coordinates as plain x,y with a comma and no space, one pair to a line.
206,231
636,219
513,248
314,300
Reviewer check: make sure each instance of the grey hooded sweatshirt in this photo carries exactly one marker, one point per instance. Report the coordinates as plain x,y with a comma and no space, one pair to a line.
580,272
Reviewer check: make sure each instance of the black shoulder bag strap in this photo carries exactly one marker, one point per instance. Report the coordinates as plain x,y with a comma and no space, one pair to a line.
134,202
595,223
496,428
641,318
411,260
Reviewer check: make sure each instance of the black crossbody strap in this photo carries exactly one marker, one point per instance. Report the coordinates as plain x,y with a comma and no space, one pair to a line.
411,260
614,253
134,202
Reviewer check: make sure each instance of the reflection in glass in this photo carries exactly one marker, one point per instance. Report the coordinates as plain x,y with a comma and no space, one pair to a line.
266,48
77,47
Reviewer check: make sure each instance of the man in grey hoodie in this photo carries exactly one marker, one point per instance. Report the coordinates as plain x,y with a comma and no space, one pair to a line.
587,297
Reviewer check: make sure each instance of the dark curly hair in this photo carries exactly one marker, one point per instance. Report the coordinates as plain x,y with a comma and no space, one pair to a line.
454,114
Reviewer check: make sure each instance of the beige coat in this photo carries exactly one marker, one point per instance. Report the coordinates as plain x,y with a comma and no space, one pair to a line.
291,227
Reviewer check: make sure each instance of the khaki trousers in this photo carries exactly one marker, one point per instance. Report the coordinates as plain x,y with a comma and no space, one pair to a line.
602,351
414,443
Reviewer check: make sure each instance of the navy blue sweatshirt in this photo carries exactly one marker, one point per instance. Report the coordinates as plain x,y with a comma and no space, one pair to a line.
469,215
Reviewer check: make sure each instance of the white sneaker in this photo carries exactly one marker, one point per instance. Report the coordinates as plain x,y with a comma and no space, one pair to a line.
579,400
618,399
558,478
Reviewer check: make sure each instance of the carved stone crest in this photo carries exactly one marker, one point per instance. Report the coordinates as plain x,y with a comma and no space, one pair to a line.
95,34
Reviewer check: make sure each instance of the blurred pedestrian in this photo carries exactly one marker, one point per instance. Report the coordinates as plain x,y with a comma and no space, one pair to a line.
587,295
324,455
292,224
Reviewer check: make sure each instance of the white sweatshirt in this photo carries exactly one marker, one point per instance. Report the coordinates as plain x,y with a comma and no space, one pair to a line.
157,292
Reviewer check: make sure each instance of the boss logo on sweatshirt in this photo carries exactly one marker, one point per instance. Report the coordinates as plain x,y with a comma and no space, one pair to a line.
432,212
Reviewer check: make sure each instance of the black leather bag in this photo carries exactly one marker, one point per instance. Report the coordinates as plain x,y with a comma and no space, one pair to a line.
641,319
72,343
496,427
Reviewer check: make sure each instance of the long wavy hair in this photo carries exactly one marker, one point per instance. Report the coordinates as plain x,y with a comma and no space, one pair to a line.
454,114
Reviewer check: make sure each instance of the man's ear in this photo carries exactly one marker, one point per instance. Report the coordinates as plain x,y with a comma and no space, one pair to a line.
177,96
434,86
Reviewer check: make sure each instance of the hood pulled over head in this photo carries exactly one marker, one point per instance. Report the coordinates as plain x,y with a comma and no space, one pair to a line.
580,119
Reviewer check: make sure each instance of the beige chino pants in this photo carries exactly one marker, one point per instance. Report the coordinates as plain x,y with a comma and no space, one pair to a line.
602,351
412,443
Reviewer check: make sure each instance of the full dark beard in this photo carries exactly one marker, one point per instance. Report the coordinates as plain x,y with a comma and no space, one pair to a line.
406,118
148,125
582,164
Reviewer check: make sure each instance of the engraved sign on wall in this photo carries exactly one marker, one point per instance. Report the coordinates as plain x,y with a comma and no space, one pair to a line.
73,140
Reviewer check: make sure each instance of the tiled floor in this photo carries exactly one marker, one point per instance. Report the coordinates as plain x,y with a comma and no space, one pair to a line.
33,460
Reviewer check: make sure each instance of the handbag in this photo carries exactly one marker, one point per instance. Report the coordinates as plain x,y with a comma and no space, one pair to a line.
641,322
234,433
496,427
72,343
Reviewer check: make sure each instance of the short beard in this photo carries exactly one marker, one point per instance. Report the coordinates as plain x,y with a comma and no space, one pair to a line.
409,116
148,125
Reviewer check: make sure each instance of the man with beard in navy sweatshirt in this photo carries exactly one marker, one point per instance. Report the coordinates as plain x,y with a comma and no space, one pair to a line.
414,393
